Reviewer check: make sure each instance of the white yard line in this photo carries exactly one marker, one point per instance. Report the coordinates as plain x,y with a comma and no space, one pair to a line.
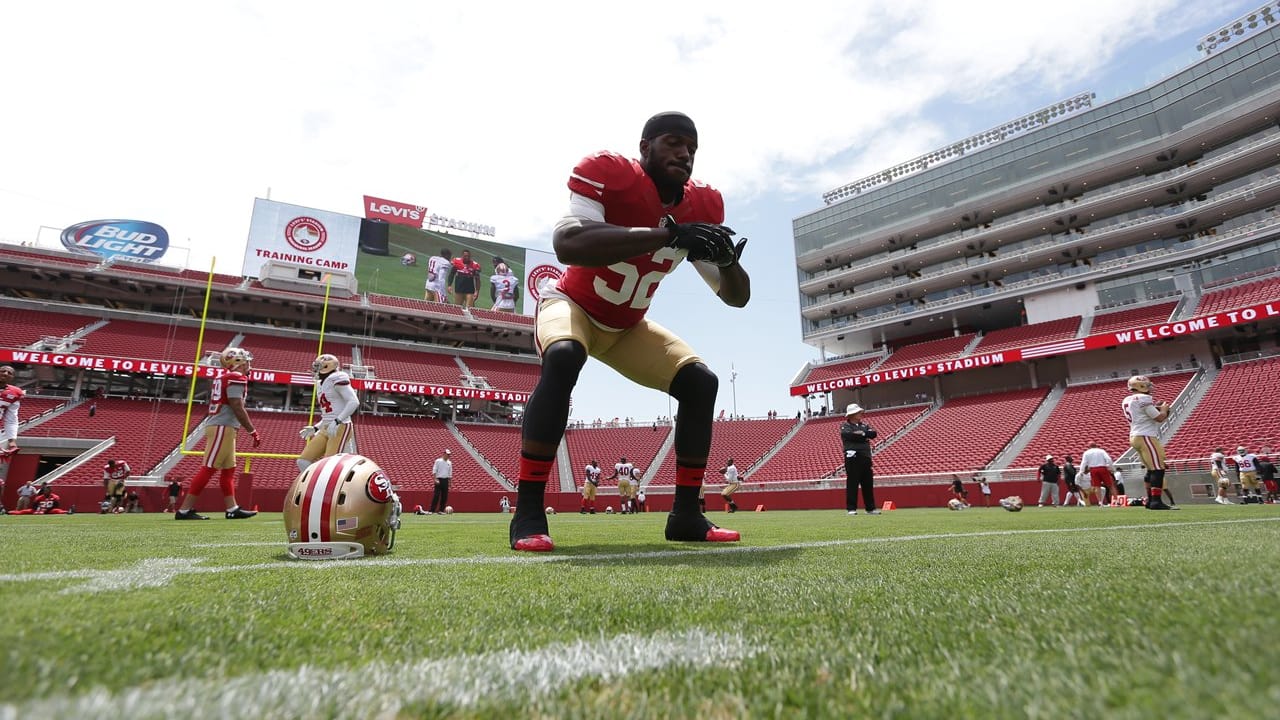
383,690
156,572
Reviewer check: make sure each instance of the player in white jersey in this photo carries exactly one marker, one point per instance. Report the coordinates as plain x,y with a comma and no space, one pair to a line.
622,472
592,473
502,288
1247,464
1145,415
438,268
1218,469
338,402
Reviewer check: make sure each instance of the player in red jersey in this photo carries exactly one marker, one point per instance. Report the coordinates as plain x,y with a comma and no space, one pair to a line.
10,400
630,223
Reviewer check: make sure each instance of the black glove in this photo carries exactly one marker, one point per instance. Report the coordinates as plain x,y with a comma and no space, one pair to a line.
706,242
730,258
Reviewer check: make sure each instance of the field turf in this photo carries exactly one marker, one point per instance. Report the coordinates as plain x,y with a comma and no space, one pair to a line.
1053,613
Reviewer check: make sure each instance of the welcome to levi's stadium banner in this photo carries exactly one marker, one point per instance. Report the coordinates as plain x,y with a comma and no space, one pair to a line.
175,369
1145,333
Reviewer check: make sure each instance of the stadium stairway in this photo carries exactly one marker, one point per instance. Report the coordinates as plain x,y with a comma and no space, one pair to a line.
774,450
1030,430
480,459
175,456
925,412
567,482
652,471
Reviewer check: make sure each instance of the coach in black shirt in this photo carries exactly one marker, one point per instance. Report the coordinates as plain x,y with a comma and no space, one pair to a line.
1049,476
856,436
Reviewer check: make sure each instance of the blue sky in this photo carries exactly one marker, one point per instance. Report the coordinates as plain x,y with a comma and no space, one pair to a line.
157,111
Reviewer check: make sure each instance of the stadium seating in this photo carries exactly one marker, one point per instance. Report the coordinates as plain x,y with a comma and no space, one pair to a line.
746,441
963,435
928,351
407,447
392,301
815,451
836,370
1237,296
218,279
19,327
33,406
1131,318
411,365
494,316
1236,410
500,445
1033,334
639,445
145,431
293,355
1090,413
504,374
152,341
9,251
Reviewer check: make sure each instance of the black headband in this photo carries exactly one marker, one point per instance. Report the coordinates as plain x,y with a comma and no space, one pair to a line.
669,123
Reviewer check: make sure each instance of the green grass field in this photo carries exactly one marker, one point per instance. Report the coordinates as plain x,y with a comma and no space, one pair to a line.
1063,613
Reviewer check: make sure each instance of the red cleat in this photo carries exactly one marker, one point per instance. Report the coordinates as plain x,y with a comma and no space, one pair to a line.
719,534
536,543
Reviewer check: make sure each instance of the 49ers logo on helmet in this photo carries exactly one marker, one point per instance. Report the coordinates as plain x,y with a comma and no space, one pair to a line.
540,275
306,233
379,488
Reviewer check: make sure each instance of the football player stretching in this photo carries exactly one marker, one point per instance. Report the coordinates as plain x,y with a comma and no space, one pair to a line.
629,224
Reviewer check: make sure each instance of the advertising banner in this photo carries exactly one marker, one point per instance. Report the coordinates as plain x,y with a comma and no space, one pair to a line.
1148,333
133,240
300,236
376,208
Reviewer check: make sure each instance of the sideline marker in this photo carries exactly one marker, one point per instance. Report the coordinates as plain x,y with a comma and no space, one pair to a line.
759,508
888,505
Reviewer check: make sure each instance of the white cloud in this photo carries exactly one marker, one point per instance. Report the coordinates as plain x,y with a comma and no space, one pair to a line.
182,114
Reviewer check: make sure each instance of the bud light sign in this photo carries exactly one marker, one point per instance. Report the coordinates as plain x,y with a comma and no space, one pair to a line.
135,240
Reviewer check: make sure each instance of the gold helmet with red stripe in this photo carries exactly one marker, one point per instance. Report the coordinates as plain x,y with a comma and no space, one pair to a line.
325,364
234,358
341,507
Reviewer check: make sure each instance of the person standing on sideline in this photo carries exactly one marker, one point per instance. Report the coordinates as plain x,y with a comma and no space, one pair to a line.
629,224
856,437
338,403
590,484
985,486
227,394
1069,474
1267,474
1218,470
1049,474
1145,415
10,399
442,471
502,288
1100,468
732,483
175,489
438,268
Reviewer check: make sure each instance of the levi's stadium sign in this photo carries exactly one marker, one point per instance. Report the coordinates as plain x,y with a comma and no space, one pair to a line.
135,240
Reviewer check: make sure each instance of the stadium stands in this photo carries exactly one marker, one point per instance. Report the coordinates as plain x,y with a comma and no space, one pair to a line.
813,452
1236,296
289,354
836,370
152,341
1090,413
145,431
411,365
406,447
1131,318
391,301
746,441
504,374
963,435
33,406
1236,410
929,351
1033,334
499,444
19,328
639,445
494,316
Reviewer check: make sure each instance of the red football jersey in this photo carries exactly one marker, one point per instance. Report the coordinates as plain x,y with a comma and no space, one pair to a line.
618,295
